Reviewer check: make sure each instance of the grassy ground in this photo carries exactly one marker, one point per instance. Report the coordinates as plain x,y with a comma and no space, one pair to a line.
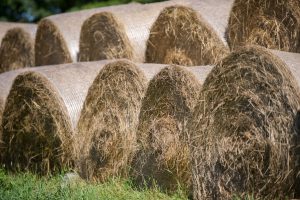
28,186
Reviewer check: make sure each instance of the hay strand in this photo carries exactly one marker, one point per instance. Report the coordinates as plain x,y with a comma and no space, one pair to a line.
243,129
46,103
108,121
272,24
163,154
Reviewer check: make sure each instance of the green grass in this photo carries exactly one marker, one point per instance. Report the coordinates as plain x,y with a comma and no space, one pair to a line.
29,186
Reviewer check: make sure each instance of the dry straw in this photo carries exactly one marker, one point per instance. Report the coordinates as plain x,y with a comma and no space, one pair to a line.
119,32
243,129
163,156
190,33
17,45
63,31
269,23
108,121
41,113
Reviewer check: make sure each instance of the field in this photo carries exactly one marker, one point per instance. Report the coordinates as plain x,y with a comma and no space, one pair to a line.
28,186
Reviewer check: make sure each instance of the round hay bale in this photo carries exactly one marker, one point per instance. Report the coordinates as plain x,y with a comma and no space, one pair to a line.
6,80
16,50
163,156
244,130
5,26
269,23
108,121
63,30
189,34
17,46
119,32
41,113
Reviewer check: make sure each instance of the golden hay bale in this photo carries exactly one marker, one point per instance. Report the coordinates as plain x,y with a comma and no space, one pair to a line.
163,149
63,30
119,32
41,113
5,26
191,33
269,23
17,46
6,80
108,121
244,130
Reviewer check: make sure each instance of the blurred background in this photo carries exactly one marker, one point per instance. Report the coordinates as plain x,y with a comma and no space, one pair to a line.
34,10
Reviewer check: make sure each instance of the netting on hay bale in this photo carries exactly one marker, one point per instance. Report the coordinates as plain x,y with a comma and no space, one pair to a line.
41,114
269,23
119,32
108,121
190,33
63,30
244,129
17,45
163,156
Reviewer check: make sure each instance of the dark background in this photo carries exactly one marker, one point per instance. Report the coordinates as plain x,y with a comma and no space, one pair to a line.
34,10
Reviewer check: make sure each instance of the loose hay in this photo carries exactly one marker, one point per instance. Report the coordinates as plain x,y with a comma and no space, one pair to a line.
108,121
40,115
163,149
63,30
182,32
269,23
17,46
243,129
119,32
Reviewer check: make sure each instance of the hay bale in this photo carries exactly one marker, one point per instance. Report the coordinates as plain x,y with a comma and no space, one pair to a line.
63,30
119,32
244,129
6,80
5,26
17,45
163,154
269,23
108,121
191,33
41,113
